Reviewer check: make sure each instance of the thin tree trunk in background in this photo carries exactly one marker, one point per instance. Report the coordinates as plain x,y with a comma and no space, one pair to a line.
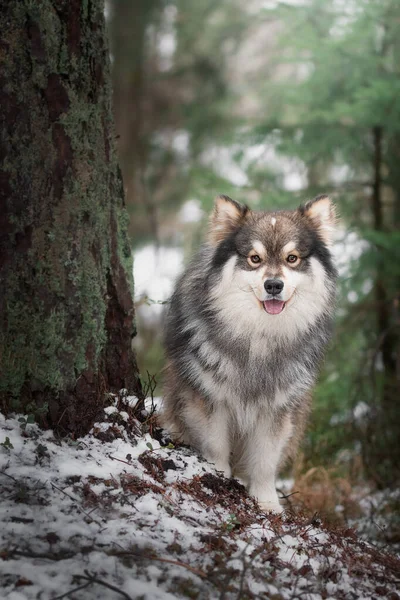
66,310
377,207
128,27
384,429
394,341
377,211
393,154
382,299
394,178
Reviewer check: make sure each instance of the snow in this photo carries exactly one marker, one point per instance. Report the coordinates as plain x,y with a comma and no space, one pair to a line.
191,212
356,415
155,272
225,164
348,247
120,514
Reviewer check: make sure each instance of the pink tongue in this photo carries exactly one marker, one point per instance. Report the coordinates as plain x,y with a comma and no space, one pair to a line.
273,307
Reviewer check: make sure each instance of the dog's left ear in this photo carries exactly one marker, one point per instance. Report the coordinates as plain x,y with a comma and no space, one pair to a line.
227,216
321,211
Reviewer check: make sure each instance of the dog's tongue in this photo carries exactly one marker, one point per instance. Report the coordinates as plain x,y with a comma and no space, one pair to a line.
273,307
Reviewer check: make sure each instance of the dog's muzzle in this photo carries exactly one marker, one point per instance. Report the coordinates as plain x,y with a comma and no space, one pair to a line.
273,305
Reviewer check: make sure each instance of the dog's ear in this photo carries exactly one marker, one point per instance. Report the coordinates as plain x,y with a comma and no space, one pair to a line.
322,212
227,216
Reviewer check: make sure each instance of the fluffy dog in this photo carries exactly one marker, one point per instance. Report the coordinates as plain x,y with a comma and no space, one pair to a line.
245,335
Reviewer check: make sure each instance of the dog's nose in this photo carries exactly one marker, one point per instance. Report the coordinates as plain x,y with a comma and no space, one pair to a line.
273,286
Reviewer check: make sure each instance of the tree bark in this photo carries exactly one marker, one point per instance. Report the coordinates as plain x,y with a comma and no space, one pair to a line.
66,309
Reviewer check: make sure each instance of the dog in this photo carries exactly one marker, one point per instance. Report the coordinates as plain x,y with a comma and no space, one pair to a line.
245,335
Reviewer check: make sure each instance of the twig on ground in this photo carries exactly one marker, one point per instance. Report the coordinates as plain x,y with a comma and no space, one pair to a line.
10,476
120,460
90,580
93,579
286,496
177,563
43,555
81,587
77,506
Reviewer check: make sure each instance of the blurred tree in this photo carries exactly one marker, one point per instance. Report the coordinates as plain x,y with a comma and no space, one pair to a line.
66,311
339,114
129,24
173,106
171,86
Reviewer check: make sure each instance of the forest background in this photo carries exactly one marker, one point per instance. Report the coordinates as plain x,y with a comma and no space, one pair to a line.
273,103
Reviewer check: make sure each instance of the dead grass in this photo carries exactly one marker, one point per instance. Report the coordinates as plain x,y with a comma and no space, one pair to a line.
320,490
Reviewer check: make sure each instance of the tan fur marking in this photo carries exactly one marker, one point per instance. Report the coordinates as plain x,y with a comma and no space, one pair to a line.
289,248
323,214
225,218
259,249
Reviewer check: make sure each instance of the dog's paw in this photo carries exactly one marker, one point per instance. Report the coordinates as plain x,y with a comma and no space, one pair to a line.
220,464
224,469
270,506
266,497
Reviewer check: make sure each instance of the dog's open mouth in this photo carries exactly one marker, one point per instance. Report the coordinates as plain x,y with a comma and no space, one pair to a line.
273,307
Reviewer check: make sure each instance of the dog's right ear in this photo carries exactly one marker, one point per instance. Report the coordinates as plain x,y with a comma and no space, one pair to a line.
227,216
322,214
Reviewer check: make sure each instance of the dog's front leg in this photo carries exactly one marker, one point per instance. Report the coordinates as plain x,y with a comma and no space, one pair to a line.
262,457
216,441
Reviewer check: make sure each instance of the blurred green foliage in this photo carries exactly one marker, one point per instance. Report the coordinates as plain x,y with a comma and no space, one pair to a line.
273,106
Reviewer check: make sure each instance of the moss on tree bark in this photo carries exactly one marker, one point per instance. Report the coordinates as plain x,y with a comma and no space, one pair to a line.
66,309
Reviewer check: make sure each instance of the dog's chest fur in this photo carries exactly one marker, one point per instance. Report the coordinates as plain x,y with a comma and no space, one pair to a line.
227,360
253,368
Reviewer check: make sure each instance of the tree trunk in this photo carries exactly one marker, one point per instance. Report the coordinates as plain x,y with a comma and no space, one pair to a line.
66,309
129,22
381,295
381,443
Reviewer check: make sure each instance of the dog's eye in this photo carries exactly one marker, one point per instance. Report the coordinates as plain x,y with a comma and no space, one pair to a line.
292,258
255,259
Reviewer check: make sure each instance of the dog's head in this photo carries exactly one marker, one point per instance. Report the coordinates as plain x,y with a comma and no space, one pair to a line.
280,259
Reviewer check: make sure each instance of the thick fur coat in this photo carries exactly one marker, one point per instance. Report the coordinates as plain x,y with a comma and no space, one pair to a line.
245,336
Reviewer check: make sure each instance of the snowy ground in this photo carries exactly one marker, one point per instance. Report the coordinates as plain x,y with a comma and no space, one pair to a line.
117,515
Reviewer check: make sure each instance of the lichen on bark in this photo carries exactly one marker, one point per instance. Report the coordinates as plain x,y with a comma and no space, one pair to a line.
66,310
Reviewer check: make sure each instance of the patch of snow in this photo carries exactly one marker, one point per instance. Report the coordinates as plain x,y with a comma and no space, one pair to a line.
221,159
347,247
352,297
119,514
166,39
360,410
191,212
155,271
132,401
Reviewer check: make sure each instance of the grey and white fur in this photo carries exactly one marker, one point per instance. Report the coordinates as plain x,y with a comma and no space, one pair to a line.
245,336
